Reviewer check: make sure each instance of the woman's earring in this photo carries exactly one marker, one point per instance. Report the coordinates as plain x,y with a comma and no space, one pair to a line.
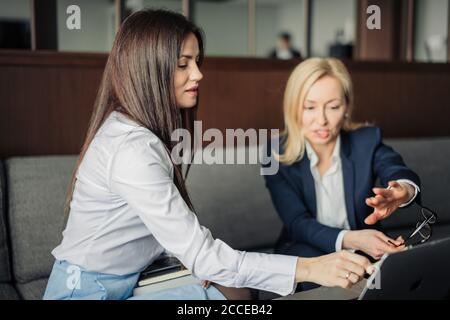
346,116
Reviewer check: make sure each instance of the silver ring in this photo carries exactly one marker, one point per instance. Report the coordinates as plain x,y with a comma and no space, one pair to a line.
347,275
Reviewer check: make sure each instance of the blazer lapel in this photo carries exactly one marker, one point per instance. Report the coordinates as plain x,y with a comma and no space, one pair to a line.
349,177
308,185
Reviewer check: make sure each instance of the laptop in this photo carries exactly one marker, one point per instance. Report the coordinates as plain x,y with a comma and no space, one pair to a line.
419,272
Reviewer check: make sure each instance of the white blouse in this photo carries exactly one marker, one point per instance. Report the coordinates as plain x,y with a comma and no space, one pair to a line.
126,211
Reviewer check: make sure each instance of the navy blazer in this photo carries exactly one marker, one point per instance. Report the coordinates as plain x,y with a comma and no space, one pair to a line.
364,159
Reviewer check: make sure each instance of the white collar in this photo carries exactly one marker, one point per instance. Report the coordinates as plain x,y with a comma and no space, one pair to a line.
312,156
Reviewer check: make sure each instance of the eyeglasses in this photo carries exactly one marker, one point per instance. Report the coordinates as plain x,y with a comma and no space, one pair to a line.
423,230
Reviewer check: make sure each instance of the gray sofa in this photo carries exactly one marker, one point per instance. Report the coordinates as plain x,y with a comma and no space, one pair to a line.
230,199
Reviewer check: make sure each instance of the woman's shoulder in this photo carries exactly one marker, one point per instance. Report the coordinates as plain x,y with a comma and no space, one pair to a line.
361,141
140,155
129,140
141,143
365,134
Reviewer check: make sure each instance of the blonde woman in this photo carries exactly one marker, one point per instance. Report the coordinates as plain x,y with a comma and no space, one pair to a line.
325,191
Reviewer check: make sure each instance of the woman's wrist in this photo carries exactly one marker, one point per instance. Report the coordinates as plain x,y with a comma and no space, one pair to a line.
303,270
349,240
410,191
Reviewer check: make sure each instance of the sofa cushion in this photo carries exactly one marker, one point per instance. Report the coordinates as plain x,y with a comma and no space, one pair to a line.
8,292
430,159
33,290
233,202
37,188
5,268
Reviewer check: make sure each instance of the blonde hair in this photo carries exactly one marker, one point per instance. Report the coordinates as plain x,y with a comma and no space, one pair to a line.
298,85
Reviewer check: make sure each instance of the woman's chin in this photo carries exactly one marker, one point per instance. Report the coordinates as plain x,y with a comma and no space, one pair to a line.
187,105
319,140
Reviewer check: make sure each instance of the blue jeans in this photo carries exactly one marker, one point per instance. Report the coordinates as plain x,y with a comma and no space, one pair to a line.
71,282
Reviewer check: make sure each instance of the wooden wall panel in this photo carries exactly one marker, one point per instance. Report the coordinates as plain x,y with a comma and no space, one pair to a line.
404,104
383,44
46,98
46,101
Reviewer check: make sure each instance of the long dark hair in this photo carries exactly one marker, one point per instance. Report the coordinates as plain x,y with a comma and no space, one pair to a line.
138,81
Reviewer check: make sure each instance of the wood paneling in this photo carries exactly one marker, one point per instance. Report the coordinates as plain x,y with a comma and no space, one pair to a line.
405,99
46,98
380,44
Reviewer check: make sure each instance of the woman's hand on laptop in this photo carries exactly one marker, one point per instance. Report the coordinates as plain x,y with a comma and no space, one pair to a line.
374,243
341,269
